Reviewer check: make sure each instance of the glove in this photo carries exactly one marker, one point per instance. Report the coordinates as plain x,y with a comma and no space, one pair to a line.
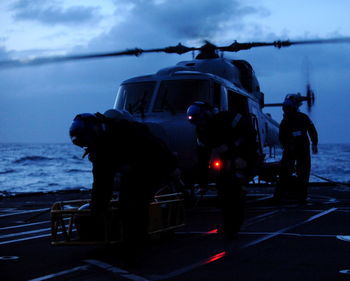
314,149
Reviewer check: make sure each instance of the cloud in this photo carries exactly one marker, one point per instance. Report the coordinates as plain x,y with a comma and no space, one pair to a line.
192,19
50,13
151,23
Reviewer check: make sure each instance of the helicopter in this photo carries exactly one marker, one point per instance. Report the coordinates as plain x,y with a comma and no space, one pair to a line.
161,99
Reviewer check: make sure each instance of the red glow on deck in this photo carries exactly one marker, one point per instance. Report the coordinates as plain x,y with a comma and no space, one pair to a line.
215,257
214,231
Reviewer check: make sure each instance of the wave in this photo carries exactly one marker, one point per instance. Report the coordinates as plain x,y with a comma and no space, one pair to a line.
33,158
77,171
74,157
7,171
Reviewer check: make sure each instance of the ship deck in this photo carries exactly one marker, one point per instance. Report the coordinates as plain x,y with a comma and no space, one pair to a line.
277,242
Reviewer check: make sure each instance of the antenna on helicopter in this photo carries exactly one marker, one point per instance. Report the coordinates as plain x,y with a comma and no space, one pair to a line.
207,50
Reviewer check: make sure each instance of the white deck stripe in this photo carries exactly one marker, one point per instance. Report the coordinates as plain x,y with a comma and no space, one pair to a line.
293,234
269,233
25,212
117,270
260,218
23,225
64,272
106,266
24,239
24,233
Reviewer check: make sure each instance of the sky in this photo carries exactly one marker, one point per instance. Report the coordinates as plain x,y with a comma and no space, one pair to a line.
38,103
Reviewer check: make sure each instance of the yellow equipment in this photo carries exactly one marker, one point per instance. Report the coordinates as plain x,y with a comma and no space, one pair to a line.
71,222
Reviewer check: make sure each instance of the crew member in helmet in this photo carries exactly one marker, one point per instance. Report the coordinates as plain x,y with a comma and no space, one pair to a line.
118,144
295,130
232,137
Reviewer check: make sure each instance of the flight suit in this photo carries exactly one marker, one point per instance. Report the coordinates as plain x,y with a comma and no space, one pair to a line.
295,130
144,163
233,138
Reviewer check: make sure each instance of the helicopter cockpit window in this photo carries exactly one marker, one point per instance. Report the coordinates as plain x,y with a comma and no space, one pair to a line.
135,97
176,95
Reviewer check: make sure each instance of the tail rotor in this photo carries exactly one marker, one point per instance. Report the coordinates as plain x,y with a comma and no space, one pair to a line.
310,97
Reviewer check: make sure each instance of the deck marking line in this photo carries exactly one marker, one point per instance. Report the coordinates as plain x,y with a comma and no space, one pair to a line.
106,266
293,234
260,217
7,258
23,225
25,212
345,238
255,242
115,269
64,272
261,198
24,239
276,233
341,237
250,222
321,214
24,233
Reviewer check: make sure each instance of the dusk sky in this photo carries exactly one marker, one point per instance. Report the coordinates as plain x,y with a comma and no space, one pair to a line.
38,103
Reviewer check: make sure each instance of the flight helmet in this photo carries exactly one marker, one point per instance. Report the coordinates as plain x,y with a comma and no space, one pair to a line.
198,112
85,129
291,103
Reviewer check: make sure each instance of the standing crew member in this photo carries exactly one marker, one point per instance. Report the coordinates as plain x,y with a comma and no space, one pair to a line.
232,137
120,145
295,130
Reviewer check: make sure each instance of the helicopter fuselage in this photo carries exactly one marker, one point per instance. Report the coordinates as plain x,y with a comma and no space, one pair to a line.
161,100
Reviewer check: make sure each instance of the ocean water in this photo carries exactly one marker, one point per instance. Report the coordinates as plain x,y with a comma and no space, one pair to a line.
43,168
53,167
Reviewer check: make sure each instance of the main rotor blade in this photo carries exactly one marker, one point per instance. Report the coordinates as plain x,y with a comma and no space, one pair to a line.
322,41
178,49
236,47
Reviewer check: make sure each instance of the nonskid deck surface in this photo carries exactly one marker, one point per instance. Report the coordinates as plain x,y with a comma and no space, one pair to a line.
278,242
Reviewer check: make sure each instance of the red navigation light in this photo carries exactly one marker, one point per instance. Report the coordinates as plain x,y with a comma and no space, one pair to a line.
190,117
217,164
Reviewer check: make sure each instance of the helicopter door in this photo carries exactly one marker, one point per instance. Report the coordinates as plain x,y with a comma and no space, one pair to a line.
217,102
256,127
237,102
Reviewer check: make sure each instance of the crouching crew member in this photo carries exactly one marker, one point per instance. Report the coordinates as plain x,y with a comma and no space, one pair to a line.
120,145
295,130
232,137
